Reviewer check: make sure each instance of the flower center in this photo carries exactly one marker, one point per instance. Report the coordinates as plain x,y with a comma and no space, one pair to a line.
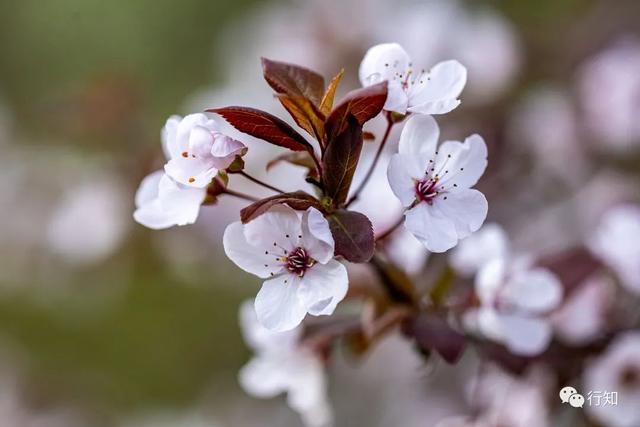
426,189
298,261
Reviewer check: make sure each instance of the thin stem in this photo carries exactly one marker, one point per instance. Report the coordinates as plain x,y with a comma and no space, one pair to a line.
239,195
363,183
262,183
393,228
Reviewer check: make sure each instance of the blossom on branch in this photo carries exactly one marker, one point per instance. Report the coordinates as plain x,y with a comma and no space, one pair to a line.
197,150
296,254
434,184
515,296
162,202
282,365
432,92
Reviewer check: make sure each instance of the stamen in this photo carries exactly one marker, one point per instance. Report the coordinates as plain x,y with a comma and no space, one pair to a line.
299,261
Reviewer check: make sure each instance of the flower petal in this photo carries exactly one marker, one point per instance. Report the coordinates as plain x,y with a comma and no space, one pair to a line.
152,216
401,180
316,236
490,279
308,389
277,231
225,149
180,202
264,377
383,62
525,336
323,287
277,304
246,256
490,242
461,164
148,189
437,93
419,138
200,141
192,172
186,125
259,337
536,291
437,233
467,209
169,137
390,62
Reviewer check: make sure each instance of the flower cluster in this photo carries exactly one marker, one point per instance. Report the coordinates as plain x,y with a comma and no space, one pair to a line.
300,243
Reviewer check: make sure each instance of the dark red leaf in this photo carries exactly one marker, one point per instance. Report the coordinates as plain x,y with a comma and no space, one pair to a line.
363,104
432,333
340,160
265,126
298,200
293,80
353,235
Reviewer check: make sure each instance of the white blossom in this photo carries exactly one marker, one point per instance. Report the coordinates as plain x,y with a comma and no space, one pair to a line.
515,296
296,254
72,230
409,89
282,365
608,85
161,202
489,243
617,243
434,184
617,370
197,149
583,317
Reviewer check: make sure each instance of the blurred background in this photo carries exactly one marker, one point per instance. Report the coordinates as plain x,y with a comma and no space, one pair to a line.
106,323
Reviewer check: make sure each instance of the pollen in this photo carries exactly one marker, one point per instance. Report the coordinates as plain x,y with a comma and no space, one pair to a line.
185,154
192,179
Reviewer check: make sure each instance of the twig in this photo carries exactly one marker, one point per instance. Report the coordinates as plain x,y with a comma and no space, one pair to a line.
363,183
390,231
259,182
239,195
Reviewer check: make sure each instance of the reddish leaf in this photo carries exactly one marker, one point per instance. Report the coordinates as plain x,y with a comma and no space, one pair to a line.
305,114
353,235
265,126
433,333
363,104
298,200
327,99
293,80
340,160
396,282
